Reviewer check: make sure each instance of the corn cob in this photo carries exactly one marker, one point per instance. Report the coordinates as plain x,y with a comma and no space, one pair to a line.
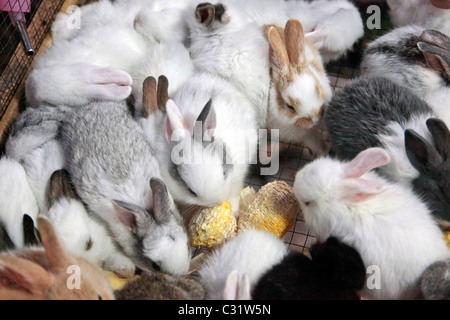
212,226
274,209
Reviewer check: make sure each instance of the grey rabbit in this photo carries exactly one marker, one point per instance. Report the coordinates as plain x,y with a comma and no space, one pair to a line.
117,176
435,281
161,286
375,112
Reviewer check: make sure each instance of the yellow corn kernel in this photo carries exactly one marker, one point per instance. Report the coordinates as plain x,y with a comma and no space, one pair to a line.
212,226
274,209
447,238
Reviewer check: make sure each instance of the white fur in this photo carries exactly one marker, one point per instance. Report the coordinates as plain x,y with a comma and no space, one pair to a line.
393,229
251,252
421,12
17,199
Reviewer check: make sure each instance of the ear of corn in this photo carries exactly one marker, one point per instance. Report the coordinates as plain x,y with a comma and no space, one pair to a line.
212,226
274,209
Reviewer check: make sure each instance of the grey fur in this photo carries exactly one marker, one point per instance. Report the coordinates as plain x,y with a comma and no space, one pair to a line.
435,281
109,159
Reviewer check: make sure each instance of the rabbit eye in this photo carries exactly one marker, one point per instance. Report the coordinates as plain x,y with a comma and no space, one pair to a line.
307,203
290,107
192,192
155,266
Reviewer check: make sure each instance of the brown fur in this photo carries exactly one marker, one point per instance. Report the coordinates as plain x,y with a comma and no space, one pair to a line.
60,186
154,96
42,274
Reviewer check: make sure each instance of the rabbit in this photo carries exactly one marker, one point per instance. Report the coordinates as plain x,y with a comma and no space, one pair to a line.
335,271
17,200
116,174
161,286
94,62
47,273
416,58
433,14
33,142
219,43
206,142
375,112
232,269
389,225
79,232
432,163
435,281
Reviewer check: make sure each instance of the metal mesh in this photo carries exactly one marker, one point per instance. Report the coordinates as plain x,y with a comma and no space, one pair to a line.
14,63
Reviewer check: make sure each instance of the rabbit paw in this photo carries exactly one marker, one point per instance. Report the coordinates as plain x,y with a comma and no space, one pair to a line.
206,13
108,84
120,265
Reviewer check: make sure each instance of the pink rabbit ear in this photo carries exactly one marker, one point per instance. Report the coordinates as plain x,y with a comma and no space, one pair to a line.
359,190
237,286
317,37
175,122
365,161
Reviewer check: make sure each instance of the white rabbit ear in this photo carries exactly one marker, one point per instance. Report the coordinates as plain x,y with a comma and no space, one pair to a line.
175,125
207,118
359,190
131,216
237,286
365,161
317,37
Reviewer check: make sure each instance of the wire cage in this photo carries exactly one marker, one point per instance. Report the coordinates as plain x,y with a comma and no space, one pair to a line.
14,60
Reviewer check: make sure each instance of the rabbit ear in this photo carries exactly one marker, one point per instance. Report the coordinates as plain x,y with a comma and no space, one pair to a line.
161,200
441,136
175,126
205,13
23,275
30,233
60,186
295,41
441,4
149,97
365,161
163,92
207,118
135,218
55,252
317,37
5,240
419,151
359,190
277,51
237,286
436,50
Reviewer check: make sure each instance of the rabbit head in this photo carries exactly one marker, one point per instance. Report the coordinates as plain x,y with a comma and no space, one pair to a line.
160,237
327,186
300,88
47,274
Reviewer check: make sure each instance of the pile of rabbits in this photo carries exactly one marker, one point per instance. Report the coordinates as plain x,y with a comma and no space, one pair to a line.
152,109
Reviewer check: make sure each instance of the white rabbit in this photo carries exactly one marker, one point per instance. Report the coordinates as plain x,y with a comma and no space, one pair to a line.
79,232
17,199
94,62
239,263
207,142
432,14
386,223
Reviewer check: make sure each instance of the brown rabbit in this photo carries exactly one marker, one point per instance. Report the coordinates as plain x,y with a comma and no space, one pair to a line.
161,286
47,274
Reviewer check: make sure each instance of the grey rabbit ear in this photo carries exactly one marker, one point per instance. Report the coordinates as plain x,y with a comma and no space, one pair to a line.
441,136
135,218
31,235
207,117
161,201
436,50
5,240
60,186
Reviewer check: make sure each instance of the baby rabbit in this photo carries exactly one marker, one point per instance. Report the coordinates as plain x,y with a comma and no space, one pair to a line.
234,268
375,112
161,286
80,233
46,274
17,200
381,220
335,271
433,14
416,58
116,174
